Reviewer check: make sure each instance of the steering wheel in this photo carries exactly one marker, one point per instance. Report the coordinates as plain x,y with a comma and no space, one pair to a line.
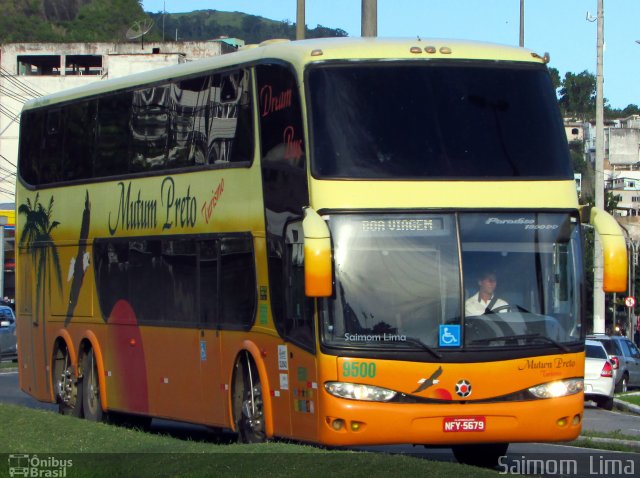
508,307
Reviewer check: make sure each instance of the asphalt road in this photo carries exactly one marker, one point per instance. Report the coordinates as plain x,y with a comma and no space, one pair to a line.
520,455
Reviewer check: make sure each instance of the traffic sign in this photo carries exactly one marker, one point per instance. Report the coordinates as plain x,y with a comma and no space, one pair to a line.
630,301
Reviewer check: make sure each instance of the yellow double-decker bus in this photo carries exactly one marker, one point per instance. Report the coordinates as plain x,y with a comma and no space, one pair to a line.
281,242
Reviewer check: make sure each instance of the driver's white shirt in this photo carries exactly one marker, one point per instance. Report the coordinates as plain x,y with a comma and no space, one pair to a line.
474,305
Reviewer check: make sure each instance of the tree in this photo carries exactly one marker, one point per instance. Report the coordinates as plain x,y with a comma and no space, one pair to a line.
555,78
578,95
37,238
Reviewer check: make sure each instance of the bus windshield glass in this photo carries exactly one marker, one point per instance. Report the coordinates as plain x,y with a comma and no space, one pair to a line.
402,120
409,281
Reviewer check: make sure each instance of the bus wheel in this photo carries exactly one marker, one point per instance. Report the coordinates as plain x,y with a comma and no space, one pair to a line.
248,410
68,393
486,455
91,388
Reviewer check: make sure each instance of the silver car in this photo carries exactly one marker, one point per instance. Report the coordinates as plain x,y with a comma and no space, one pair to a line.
598,375
625,357
8,342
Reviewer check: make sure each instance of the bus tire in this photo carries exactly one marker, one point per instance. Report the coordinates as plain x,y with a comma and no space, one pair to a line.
248,407
67,388
91,388
486,455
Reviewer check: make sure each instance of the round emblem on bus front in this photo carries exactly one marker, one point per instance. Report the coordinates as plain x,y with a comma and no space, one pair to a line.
463,388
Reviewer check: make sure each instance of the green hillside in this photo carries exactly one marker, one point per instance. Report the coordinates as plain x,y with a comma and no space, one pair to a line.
108,20
208,24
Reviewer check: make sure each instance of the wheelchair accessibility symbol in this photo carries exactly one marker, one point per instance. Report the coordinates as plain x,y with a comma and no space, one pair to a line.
449,336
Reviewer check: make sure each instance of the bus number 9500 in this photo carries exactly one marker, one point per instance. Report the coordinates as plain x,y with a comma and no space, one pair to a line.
359,369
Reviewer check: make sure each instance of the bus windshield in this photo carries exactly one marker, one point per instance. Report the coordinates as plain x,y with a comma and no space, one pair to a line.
404,281
397,120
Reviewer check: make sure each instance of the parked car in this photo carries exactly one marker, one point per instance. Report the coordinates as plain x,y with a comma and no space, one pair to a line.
8,342
625,357
598,375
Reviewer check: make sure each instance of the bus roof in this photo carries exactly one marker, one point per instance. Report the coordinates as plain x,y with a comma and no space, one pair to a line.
303,52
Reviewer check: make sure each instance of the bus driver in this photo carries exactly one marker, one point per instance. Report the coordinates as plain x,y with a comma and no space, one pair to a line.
484,300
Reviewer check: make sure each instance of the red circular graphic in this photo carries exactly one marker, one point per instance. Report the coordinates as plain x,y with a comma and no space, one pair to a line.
463,388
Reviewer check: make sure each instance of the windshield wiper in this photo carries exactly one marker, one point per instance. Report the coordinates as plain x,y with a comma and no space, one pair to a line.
544,338
421,344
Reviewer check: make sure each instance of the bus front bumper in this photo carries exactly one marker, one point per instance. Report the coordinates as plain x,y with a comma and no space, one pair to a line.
351,422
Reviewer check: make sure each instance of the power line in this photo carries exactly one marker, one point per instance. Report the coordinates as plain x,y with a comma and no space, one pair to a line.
21,85
12,94
8,171
3,157
9,114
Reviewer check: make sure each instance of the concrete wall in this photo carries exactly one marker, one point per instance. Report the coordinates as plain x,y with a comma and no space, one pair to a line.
624,146
118,59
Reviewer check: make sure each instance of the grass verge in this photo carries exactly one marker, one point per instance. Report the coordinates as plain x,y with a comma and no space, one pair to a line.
634,399
100,450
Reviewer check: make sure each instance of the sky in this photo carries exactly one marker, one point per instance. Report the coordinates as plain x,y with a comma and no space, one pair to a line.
559,27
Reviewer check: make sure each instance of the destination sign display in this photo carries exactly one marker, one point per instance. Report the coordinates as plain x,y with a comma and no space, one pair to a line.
404,225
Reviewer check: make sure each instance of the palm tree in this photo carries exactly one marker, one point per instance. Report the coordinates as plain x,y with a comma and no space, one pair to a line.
36,236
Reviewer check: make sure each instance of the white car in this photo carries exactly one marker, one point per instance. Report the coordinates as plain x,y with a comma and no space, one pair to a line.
598,375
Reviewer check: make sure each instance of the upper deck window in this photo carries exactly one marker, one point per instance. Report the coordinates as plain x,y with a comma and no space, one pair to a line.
190,122
471,120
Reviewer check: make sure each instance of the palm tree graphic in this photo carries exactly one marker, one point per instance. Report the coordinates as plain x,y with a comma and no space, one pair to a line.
36,236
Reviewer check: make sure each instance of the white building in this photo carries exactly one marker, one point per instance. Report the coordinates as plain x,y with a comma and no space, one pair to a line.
28,70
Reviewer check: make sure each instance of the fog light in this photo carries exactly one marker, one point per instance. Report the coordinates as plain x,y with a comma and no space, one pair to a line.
562,422
355,426
337,424
576,420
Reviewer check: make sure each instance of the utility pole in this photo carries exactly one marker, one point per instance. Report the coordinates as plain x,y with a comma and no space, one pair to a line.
598,262
369,18
300,20
521,23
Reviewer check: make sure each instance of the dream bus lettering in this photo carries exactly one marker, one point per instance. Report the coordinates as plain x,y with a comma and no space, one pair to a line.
133,214
271,104
293,146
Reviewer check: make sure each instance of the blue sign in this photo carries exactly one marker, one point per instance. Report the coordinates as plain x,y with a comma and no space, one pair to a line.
203,350
449,336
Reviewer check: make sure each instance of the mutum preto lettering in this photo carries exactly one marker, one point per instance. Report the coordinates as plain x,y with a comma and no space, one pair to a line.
133,214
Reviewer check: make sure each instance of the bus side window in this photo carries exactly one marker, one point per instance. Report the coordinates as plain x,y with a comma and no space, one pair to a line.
32,145
238,297
230,131
242,147
114,135
299,308
150,112
187,139
77,159
51,164
208,270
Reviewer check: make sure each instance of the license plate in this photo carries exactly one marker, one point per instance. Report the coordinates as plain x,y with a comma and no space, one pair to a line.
464,424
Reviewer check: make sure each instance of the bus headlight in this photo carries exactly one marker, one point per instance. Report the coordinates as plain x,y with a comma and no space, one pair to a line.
358,391
559,388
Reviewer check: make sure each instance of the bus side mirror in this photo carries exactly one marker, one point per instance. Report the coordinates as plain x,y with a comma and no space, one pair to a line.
614,250
318,279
